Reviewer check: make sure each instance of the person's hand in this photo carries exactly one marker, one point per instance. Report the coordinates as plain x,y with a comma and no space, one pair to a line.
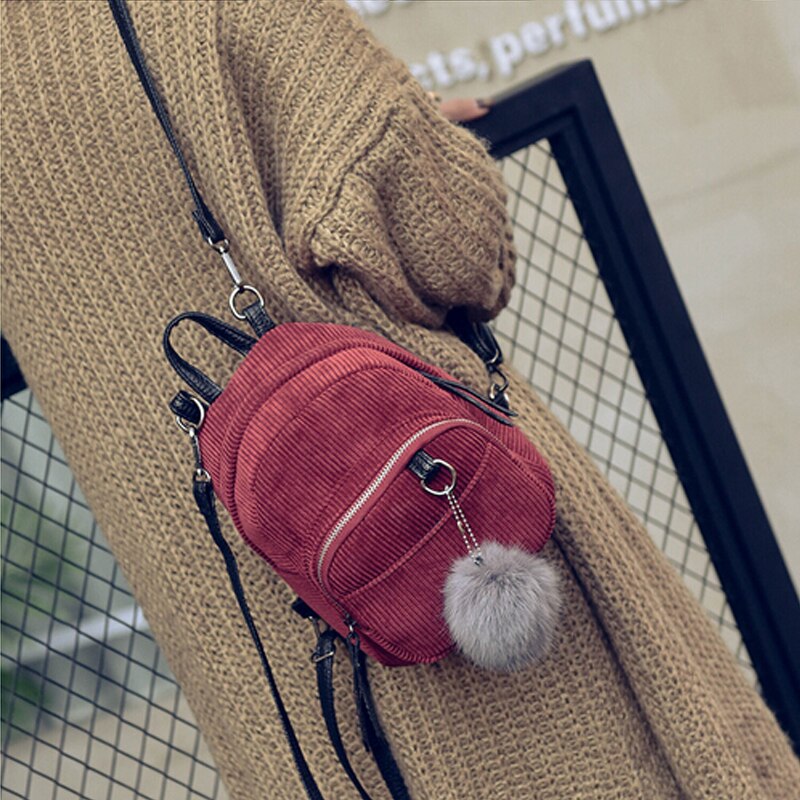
462,109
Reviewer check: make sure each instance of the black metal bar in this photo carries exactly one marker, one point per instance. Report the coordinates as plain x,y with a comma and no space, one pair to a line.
12,380
567,106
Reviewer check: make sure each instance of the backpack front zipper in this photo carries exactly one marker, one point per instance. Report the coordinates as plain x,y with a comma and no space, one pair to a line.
373,487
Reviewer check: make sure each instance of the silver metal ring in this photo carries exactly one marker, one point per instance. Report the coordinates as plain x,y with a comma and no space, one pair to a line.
192,427
441,492
237,290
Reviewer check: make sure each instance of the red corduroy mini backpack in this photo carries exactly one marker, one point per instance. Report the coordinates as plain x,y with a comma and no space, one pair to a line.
393,500
403,508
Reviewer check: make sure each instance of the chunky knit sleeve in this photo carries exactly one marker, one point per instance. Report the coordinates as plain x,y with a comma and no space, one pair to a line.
420,217
363,174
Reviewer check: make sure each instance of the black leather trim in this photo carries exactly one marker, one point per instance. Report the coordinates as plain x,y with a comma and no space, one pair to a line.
491,408
197,380
478,336
258,318
299,606
422,465
184,406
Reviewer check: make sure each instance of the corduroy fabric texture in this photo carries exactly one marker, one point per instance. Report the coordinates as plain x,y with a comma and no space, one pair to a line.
308,448
315,148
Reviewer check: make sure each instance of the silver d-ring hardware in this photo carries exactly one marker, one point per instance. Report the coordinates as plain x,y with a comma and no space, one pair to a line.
192,427
441,492
237,290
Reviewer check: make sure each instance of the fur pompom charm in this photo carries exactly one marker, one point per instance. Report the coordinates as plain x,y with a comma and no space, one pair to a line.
502,607
501,604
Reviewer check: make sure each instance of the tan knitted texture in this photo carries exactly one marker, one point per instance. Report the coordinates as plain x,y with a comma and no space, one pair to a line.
348,198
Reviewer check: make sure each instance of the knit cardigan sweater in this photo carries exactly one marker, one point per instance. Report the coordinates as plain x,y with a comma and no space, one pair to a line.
348,198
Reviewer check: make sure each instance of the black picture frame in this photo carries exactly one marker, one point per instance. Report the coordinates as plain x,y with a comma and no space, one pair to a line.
567,107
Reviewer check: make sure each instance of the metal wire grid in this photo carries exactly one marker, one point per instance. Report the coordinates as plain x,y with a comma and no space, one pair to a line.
91,710
560,331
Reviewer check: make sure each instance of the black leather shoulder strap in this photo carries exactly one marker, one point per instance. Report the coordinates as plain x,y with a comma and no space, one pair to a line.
209,227
372,734
323,657
371,730
478,336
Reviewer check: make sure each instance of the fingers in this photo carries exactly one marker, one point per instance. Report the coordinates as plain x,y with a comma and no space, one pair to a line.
463,109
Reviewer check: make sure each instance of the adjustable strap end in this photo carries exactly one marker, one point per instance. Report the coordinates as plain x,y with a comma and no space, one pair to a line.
210,229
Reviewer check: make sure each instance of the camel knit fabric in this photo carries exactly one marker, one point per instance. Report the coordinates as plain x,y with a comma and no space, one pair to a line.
348,198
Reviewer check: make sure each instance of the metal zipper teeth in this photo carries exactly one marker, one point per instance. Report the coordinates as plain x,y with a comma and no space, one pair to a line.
374,486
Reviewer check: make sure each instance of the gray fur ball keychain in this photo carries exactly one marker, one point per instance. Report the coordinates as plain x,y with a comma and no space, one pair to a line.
501,604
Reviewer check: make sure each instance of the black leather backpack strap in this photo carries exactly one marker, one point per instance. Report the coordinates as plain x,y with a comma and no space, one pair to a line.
480,338
372,734
204,497
210,229
227,334
323,658
371,730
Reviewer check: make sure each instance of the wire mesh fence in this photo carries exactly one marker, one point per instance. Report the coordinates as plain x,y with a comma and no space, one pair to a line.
560,331
90,708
